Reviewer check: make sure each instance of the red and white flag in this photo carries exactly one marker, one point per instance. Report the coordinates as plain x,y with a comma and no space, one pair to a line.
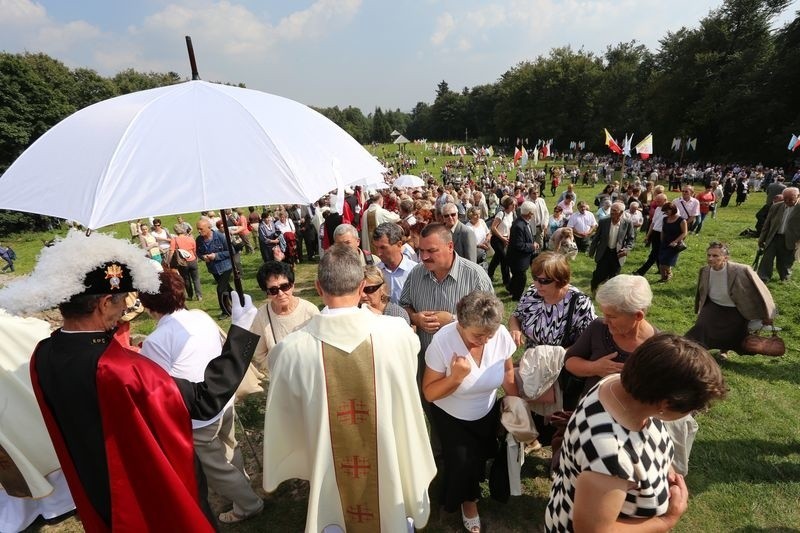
611,143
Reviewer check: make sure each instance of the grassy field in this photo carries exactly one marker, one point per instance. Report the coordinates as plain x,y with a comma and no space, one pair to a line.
745,465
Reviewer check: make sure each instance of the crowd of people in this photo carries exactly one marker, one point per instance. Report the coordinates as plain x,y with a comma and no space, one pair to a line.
345,409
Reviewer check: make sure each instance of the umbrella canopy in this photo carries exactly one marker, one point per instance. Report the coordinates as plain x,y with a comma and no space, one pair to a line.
401,140
183,148
409,180
394,133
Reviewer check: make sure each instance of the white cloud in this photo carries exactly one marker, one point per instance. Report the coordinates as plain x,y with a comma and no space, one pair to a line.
444,25
314,21
21,13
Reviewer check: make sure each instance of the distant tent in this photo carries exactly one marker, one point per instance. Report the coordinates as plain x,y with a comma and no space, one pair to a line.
402,141
394,133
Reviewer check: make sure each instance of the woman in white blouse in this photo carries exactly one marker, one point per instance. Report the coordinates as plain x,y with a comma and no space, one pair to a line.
481,230
466,362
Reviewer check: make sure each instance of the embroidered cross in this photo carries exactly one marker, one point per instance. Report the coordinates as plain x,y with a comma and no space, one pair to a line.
357,467
352,412
360,513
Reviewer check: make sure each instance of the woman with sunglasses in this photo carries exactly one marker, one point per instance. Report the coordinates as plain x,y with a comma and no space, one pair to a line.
551,312
376,295
282,313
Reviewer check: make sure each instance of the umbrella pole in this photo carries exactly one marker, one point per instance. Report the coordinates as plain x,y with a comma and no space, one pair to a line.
192,62
237,276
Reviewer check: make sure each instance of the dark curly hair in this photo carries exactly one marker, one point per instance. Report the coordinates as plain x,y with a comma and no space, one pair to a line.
170,296
273,269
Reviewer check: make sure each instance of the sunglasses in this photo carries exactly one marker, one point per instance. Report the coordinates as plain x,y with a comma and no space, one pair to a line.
543,281
283,287
369,289
450,215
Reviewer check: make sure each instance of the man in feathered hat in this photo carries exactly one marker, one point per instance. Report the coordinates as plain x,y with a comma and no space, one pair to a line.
119,423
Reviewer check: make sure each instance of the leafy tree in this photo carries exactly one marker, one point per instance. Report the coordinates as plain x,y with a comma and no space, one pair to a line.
380,127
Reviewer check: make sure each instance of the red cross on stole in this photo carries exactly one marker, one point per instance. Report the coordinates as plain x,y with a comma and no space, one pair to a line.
350,387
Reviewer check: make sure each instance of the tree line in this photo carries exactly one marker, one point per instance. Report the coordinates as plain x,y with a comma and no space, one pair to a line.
729,82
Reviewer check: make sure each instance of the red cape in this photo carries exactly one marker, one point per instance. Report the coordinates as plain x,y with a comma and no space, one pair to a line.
149,447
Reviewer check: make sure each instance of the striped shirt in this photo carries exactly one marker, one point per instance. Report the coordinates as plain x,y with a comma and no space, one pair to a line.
422,292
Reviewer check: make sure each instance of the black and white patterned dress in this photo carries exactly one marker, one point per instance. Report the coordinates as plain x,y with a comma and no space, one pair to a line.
594,441
544,324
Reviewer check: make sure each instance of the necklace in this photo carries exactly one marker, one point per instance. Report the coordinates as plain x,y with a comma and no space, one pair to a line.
611,390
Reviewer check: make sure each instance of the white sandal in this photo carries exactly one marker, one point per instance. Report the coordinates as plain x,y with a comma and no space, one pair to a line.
473,525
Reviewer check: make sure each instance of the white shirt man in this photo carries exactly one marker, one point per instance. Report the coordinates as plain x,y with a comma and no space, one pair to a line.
583,225
688,206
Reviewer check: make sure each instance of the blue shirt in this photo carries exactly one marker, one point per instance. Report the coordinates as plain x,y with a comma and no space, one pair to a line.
215,245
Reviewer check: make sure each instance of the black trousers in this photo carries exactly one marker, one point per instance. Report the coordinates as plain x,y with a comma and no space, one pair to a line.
606,268
518,283
499,258
466,446
652,259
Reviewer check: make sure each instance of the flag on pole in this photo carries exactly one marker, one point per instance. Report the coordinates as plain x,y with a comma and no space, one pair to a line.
626,145
517,154
490,151
645,147
572,145
611,143
676,144
691,144
535,156
793,143
545,151
524,159
582,145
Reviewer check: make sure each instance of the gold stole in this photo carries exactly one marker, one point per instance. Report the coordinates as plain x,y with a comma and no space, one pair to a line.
372,223
11,478
350,384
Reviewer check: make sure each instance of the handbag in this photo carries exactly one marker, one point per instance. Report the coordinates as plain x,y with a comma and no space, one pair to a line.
681,246
755,344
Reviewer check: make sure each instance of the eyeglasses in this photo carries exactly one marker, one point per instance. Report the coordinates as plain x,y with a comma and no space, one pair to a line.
450,215
283,287
543,281
156,224
370,289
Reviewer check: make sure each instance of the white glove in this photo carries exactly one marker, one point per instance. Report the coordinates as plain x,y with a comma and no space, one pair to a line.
242,316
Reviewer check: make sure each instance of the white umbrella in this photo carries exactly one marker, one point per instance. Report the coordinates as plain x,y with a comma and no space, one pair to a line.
409,180
401,140
183,148
394,133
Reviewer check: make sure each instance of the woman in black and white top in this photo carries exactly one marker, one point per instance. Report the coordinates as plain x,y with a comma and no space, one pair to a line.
615,466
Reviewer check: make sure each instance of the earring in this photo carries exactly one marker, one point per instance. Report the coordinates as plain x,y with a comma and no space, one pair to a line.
661,412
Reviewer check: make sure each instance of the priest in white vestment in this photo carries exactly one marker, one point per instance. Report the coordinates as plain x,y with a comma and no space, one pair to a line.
342,401
31,482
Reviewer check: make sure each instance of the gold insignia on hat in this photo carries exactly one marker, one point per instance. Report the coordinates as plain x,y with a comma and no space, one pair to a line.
114,275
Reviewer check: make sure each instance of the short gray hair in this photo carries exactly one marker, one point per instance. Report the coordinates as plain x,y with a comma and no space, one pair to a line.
341,229
619,206
626,293
390,230
527,207
480,309
340,272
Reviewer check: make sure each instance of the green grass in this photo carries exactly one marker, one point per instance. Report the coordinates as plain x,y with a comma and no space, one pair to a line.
745,465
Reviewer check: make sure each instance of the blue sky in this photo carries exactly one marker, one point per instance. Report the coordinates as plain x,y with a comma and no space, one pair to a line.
364,53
